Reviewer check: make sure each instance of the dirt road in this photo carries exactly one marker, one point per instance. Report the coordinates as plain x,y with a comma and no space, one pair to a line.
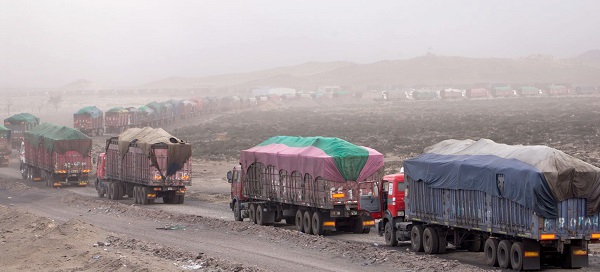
157,237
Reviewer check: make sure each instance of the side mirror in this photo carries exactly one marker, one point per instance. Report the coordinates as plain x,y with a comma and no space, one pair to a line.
229,176
94,160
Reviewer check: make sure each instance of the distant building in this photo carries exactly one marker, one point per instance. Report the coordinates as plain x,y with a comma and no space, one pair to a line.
268,91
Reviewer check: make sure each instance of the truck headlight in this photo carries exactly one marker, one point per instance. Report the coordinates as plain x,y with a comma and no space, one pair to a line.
400,213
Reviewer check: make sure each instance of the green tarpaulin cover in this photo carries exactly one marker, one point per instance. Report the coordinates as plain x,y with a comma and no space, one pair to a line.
118,109
60,139
92,111
4,132
23,117
330,158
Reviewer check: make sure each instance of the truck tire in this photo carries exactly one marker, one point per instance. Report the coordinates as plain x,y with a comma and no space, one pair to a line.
144,195
490,252
430,241
24,172
252,213
416,238
180,199
389,234
358,226
118,191
110,192
442,243
504,254
136,194
298,221
237,211
307,222
317,223
99,189
260,215
516,256
291,220
476,245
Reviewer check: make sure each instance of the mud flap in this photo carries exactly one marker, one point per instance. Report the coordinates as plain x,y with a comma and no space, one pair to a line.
575,257
531,262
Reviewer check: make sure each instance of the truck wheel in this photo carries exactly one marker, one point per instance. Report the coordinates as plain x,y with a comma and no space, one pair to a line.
366,230
516,256
430,241
298,221
180,199
109,192
307,222
260,215
99,189
136,195
317,223
442,243
389,234
24,172
118,191
490,252
416,238
252,213
504,254
237,211
144,195
358,226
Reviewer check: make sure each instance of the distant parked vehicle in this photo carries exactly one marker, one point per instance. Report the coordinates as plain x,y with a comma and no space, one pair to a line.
18,124
89,120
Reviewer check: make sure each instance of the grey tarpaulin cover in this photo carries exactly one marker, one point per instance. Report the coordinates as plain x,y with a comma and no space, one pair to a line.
178,151
537,177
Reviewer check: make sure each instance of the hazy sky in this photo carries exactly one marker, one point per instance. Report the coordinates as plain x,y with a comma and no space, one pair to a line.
117,43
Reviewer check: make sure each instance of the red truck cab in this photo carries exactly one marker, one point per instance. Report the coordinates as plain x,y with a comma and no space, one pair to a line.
392,191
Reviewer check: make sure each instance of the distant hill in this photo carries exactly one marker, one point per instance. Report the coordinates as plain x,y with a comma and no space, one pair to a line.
423,70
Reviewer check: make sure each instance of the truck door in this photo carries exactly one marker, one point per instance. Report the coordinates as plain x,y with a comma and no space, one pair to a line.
236,184
370,199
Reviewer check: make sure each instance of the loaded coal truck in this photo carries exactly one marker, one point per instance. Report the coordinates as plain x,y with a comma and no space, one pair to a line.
19,124
392,211
144,164
319,184
57,155
523,206
89,120
5,149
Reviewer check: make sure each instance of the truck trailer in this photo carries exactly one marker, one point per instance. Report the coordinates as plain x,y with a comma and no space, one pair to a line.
524,206
5,144
117,119
55,154
144,164
319,184
89,120
19,124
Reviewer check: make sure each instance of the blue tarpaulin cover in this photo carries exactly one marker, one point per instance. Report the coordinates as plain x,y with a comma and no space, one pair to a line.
537,177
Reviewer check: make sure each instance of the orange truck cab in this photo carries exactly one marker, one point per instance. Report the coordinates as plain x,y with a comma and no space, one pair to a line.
392,191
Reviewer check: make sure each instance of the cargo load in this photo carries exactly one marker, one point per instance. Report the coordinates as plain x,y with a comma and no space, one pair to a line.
18,124
145,164
519,204
56,154
89,120
294,178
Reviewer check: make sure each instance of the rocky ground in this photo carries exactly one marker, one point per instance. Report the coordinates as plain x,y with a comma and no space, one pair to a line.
72,230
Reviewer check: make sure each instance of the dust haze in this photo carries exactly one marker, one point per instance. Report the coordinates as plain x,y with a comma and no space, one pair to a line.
128,44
